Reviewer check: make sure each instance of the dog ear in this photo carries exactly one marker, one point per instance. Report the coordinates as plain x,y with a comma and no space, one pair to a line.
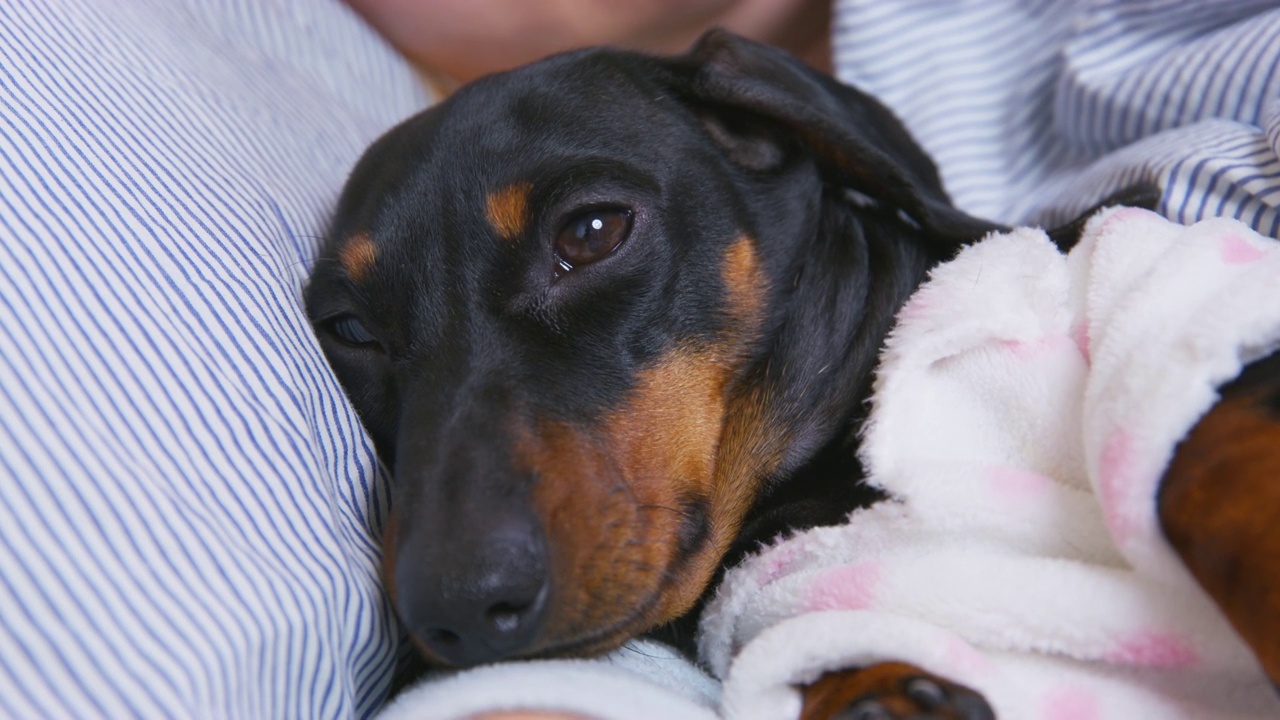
758,101
1143,195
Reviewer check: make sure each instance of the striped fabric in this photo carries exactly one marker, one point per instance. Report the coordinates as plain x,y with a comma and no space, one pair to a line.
188,508
1037,109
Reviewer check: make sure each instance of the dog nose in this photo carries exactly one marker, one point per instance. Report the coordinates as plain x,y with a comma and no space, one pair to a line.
477,606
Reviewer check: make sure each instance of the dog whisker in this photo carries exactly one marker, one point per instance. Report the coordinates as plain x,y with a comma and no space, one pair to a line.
636,651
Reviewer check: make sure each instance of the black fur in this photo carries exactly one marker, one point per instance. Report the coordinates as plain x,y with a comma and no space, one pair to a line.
733,139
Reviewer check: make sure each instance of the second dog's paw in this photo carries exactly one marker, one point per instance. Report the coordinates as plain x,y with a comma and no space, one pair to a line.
891,691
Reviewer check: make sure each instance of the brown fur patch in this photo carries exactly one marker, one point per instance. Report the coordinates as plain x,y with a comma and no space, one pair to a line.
751,446
612,497
885,683
357,256
1219,506
507,209
672,430
746,288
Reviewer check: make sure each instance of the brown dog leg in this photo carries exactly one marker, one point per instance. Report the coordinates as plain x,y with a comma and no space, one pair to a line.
890,690
1219,506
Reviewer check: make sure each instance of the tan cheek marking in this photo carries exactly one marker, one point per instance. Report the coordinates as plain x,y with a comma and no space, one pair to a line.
610,497
671,433
721,442
751,443
668,432
594,525
747,289
357,256
750,448
507,209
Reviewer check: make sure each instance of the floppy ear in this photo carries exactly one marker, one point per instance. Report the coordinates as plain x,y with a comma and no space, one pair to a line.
858,143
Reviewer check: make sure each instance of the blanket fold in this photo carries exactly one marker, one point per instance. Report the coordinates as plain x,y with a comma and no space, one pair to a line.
1024,410
641,681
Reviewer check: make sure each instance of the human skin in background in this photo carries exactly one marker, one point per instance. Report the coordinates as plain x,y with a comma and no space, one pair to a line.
460,40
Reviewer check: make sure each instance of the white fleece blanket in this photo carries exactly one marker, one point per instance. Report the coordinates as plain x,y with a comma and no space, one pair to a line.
1024,410
645,680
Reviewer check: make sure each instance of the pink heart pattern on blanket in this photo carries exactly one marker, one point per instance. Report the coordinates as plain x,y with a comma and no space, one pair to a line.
1024,410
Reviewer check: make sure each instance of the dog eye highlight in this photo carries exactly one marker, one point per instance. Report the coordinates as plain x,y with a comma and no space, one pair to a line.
351,331
589,236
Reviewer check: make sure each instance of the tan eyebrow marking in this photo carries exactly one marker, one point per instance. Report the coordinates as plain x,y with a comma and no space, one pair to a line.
357,256
507,209
746,285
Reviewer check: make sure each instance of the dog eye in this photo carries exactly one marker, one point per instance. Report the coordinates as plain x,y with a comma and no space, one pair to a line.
590,236
351,331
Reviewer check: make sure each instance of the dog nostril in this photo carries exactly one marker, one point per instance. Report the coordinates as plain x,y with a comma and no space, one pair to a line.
505,617
482,605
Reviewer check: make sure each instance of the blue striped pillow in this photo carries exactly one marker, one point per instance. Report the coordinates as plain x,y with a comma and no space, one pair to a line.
1037,109
188,508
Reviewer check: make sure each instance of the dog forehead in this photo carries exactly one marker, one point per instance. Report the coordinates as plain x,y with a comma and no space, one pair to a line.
446,197
591,98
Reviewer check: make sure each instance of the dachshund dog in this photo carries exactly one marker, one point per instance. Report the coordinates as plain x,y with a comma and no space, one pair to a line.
610,320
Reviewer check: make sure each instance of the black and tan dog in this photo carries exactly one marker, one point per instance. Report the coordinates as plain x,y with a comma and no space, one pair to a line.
610,319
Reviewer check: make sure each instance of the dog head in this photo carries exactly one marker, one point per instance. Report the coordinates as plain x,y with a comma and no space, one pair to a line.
593,310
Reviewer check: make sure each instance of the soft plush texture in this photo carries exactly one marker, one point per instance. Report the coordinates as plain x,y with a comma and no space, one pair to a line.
1025,408
641,681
